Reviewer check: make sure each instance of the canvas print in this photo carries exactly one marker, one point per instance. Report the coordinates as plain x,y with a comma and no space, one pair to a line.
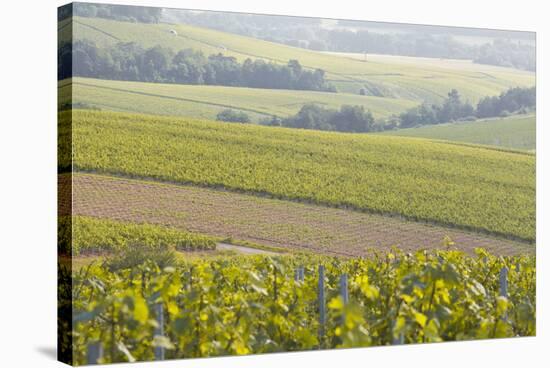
235,184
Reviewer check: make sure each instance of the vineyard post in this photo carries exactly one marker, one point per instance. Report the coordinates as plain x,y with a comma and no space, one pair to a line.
297,274
504,287
321,303
399,340
518,267
159,331
95,353
504,282
344,288
301,273
344,292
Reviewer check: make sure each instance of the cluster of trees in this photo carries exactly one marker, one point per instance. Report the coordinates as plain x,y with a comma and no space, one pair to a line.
507,53
311,116
514,100
453,108
500,52
123,13
426,45
233,116
129,61
356,119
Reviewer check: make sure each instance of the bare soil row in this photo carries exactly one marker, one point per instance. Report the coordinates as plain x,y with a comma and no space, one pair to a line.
276,223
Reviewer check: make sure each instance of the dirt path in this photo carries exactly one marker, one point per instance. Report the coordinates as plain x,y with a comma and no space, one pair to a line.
270,222
243,250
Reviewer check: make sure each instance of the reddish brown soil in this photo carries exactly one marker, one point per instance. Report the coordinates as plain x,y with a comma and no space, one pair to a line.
283,224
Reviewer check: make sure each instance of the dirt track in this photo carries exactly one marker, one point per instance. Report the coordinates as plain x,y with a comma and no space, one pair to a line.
265,221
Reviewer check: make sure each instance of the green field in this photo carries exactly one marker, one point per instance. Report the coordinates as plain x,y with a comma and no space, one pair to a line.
516,132
206,102
469,187
407,81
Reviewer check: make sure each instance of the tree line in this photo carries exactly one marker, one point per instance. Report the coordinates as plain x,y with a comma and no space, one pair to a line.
353,119
131,62
453,108
125,13
500,52
356,119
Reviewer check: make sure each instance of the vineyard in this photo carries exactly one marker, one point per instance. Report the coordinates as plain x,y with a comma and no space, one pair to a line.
184,237
474,188
245,305
285,225
91,235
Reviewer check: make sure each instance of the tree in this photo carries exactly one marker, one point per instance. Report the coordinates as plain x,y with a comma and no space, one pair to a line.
233,116
487,106
514,99
352,119
128,61
347,119
155,64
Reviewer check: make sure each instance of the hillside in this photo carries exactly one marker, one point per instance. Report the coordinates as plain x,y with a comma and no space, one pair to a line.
206,101
516,132
281,225
468,187
414,81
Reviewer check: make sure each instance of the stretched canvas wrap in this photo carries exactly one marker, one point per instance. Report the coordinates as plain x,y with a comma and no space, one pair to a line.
236,183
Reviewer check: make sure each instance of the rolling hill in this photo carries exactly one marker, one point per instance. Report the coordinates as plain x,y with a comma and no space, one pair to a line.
412,81
206,101
469,187
516,132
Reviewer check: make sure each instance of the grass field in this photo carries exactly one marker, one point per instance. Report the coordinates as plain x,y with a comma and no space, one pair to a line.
206,102
416,81
516,132
470,187
428,62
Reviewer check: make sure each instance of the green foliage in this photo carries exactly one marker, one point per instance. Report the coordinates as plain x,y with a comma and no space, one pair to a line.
136,255
347,119
130,62
245,305
119,12
514,99
469,187
508,53
229,115
89,235
454,109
